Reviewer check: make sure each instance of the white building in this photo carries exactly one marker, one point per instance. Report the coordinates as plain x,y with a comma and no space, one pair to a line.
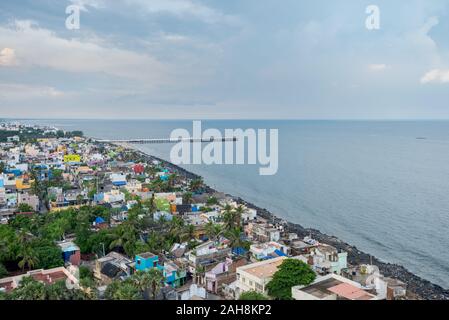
255,276
332,287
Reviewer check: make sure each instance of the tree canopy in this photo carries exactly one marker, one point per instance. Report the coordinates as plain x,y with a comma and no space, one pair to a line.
291,272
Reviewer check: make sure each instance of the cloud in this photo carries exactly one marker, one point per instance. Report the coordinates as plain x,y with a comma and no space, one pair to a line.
16,91
38,47
183,8
436,76
377,67
7,57
84,4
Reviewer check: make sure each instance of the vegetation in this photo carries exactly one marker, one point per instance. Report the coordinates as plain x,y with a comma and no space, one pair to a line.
291,272
30,289
252,296
137,286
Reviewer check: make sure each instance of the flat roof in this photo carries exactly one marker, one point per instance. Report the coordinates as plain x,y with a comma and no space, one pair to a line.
265,269
350,292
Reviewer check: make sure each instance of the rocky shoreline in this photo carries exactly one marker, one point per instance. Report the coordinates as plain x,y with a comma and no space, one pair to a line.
422,289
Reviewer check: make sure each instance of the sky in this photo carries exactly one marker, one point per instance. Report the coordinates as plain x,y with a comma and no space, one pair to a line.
225,59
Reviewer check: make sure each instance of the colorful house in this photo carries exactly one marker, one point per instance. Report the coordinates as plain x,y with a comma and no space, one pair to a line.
173,274
70,252
147,260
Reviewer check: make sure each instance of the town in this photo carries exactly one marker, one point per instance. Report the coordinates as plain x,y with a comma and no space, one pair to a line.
84,220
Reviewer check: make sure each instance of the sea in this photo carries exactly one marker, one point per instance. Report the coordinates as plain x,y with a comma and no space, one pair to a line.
382,186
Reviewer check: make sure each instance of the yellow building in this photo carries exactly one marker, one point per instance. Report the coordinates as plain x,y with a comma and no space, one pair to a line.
72,158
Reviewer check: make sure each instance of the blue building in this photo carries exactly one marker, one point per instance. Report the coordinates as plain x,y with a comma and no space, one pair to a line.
147,260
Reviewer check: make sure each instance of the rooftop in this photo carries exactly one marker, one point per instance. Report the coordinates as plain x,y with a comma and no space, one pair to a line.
264,269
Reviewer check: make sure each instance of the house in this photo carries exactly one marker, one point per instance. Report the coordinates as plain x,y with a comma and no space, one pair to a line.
262,232
158,215
118,180
256,276
207,253
268,250
249,215
145,261
332,287
111,267
133,187
370,278
49,276
70,252
191,292
112,196
326,259
223,273
29,199
174,273
100,223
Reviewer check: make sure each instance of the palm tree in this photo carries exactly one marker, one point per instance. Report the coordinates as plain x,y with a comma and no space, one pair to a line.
228,215
238,215
188,233
28,257
172,179
235,237
155,280
187,198
213,230
142,280
196,184
200,271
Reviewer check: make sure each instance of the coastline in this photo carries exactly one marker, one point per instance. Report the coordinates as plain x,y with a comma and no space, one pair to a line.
421,288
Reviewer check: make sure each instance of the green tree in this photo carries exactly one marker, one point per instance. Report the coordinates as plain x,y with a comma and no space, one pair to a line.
292,272
212,201
196,185
48,255
125,290
29,289
187,198
24,207
3,271
156,281
252,295
213,230
28,257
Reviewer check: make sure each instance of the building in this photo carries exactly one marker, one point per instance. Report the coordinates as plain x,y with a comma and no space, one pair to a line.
111,267
256,276
29,199
145,261
268,250
49,276
223,273
70,252
118,180
332,287
326,259
370,278
174,274
262,232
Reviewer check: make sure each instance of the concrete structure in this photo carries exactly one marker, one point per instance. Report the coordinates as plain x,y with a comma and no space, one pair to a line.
70,252
255,276
332,287
49,276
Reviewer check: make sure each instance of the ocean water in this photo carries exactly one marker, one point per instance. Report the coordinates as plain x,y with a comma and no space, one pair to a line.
375,184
